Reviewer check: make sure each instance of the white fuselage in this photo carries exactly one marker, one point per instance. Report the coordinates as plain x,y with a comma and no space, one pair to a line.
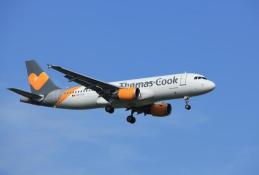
152,90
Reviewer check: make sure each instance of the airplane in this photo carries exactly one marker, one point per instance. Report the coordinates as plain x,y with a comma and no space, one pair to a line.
142,96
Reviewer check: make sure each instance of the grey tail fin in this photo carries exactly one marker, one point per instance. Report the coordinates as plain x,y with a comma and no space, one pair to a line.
39,81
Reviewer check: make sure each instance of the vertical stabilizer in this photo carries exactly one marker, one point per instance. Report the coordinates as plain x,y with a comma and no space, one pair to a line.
39,81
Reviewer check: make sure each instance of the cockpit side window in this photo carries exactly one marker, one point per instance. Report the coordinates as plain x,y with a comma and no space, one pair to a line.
198,78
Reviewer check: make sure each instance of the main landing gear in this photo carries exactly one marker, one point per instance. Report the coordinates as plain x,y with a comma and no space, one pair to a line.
187,103
109,109
131,119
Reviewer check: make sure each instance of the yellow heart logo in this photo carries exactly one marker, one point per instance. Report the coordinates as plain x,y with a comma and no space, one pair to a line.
37,82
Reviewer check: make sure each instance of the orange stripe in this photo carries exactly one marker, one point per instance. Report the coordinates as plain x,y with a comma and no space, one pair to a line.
66,94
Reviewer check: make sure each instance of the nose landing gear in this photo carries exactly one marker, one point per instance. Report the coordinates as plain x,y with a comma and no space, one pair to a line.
187,103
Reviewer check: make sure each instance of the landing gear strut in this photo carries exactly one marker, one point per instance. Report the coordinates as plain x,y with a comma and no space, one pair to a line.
131,119
187,103
109,109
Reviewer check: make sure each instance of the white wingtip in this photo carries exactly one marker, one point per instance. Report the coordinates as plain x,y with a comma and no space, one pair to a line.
49,66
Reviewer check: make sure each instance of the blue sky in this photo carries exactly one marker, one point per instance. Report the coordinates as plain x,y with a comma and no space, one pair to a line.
116,40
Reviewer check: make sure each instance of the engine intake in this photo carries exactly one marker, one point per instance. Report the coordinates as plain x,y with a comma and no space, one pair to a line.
160,109
128,93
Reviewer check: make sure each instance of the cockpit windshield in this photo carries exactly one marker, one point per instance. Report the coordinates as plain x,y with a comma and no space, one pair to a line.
199,77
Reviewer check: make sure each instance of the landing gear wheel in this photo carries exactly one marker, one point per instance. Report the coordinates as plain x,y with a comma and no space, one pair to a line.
131,119
188,107
187,103
109,109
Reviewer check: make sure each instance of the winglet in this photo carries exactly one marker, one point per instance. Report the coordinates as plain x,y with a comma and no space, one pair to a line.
49,66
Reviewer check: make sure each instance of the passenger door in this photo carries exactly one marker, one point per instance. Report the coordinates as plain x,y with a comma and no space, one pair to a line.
183,79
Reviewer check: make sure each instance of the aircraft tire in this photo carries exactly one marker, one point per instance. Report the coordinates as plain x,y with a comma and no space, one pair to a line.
188,107
109,109
131,119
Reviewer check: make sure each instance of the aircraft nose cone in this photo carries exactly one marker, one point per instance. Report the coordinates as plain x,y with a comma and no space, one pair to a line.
211,86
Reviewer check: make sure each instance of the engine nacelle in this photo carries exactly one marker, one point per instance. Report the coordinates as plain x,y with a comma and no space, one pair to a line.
160,109
128,94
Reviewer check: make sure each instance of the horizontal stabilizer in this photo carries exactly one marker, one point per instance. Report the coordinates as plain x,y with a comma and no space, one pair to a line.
25,94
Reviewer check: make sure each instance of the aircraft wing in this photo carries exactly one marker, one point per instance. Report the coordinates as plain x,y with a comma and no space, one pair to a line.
102,88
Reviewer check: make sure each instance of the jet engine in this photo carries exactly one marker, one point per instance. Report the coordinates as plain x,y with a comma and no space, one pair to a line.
160,109
128,93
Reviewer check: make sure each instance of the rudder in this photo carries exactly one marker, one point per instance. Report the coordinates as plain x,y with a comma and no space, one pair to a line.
39,81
